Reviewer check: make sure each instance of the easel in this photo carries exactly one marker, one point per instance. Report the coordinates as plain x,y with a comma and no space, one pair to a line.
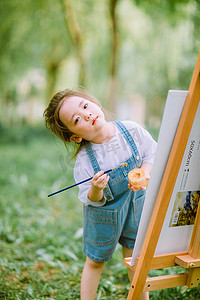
188,259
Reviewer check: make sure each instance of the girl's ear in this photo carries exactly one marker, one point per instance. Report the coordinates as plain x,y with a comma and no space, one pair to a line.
75,138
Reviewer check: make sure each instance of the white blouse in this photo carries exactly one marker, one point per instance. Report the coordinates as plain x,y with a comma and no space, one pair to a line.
111,154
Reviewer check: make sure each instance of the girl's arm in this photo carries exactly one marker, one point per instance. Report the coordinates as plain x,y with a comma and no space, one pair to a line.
98,183
147,167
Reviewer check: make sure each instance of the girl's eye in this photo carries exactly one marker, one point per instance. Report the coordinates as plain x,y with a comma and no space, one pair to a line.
76,120
85,106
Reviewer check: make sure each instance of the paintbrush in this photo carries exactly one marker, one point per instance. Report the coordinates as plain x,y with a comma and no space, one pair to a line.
71,186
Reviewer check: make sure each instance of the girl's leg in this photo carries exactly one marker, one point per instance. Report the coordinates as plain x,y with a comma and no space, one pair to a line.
128,253
90,279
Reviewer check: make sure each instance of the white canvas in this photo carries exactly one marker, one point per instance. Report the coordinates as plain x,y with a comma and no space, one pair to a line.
173,237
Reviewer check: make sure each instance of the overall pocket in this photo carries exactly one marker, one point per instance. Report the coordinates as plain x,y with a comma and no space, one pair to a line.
138,203
100,225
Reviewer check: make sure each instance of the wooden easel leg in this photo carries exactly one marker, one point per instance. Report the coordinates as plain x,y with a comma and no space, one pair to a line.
193,278
165,192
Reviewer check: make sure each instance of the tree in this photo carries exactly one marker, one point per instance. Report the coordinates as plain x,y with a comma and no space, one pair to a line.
113,87
32,36
118,48
77,38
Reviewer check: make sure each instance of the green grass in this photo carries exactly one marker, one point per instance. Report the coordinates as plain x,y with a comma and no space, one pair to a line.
40,238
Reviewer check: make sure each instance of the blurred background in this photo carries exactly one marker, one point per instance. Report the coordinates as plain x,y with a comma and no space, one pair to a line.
127,54
123,52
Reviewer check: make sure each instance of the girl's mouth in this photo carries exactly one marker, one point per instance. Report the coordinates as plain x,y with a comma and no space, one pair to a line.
94,120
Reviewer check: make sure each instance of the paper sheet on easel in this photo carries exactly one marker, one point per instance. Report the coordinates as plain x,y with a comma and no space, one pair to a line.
178,225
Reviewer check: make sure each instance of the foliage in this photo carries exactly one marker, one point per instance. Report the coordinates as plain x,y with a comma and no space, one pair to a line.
34,36
157,47
41,238
160,51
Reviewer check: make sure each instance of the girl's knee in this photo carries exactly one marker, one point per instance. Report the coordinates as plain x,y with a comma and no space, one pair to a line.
94,264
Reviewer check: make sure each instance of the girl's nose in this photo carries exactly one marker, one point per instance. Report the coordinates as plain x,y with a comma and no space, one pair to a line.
87,117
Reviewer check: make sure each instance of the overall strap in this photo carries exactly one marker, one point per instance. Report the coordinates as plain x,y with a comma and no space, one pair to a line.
130,141
107,191
92,158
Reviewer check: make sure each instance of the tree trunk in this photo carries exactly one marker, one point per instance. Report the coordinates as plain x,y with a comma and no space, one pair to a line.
113,85
77,38
52,69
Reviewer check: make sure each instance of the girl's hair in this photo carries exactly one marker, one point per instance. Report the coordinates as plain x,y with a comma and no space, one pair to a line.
51,113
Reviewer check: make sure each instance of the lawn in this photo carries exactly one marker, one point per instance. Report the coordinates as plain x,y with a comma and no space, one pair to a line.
41,237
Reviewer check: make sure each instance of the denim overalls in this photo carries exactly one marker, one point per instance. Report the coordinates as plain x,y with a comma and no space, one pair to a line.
118,220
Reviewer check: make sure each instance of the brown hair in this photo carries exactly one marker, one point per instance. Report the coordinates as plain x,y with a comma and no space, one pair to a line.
51,113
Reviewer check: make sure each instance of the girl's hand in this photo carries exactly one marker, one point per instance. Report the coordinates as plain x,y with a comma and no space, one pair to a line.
99,181
143,188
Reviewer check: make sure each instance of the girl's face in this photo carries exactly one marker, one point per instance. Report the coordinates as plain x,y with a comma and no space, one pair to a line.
82,117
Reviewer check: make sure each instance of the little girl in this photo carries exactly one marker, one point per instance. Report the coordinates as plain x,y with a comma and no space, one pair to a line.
112,208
